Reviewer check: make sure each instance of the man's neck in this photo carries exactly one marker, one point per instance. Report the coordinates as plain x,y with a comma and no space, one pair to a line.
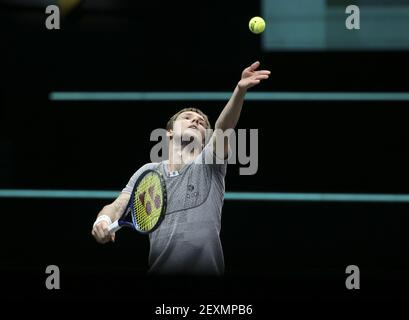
180,155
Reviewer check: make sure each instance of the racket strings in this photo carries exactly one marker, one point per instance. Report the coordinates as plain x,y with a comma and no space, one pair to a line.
148,202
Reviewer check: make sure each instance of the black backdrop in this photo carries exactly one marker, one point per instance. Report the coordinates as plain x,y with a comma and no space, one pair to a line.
292,250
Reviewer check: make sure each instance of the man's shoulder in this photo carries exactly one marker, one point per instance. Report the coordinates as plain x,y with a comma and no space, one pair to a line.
151,165
147,166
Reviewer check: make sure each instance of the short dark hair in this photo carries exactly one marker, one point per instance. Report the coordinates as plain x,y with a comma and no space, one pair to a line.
169,125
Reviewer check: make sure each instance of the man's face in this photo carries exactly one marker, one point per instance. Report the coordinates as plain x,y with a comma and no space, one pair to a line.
190,125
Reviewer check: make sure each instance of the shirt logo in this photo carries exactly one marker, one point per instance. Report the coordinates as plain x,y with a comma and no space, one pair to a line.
190,188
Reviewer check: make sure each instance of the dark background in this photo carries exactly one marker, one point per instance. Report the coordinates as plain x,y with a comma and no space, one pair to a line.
290,251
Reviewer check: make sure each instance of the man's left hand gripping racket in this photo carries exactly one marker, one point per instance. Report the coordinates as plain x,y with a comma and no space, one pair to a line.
147,205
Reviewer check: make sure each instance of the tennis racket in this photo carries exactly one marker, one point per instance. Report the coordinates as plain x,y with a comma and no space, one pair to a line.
147,205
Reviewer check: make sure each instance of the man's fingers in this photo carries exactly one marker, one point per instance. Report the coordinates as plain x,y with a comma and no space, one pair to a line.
247,71
103,233
263,72
99,233
255,65
106,234
262,77
98,237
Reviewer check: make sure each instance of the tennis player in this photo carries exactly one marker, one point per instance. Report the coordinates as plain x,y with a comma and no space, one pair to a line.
188,239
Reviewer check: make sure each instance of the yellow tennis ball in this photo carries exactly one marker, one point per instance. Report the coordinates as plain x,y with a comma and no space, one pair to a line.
66,6
257,25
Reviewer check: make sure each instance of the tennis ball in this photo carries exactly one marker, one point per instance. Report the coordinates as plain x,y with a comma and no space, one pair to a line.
257,25
68,6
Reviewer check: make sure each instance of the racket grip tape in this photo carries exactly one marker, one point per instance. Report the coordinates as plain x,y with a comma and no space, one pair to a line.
113,227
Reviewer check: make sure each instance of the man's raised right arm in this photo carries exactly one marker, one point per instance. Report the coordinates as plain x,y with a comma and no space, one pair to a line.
107,215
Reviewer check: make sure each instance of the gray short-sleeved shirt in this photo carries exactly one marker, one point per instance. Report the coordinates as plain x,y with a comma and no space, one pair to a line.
188,239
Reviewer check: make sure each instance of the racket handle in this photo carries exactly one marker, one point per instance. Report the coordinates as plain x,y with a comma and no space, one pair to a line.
113,227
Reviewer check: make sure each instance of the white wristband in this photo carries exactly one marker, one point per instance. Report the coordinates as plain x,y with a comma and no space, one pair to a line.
103,217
